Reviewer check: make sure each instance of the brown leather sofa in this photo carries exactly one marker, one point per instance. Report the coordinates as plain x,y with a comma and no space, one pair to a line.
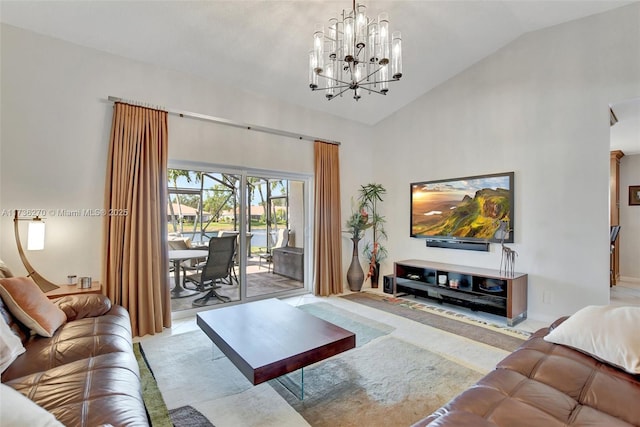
86,374
545,384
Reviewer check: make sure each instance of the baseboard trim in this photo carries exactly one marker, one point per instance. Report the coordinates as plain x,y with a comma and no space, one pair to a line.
629,279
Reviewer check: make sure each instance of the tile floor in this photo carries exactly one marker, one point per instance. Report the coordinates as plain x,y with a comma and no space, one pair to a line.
624,293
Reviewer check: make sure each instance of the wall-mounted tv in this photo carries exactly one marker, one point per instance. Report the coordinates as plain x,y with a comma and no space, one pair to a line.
470,209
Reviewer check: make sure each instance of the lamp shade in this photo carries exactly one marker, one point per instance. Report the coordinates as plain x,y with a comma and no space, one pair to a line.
35,236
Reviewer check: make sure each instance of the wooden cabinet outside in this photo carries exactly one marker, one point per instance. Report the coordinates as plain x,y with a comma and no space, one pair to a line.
289,262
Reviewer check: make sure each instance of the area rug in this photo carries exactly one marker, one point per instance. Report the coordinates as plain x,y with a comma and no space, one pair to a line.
156,409
365,329
493,334
159,415
387,382
187,416
192,362
383,381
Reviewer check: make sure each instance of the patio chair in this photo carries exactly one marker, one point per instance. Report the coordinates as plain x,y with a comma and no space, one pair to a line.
236,257
219,266
282,240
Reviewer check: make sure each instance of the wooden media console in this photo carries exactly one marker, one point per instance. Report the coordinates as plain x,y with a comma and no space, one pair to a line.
476,288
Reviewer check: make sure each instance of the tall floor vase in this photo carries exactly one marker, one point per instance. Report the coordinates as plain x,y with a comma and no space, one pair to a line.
375,275
355,274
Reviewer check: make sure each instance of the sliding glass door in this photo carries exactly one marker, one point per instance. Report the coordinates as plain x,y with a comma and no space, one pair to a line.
276,222
270,210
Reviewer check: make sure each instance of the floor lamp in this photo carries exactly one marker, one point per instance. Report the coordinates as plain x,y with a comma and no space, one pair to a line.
35,241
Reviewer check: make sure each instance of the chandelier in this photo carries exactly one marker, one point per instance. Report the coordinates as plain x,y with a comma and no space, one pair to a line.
355,53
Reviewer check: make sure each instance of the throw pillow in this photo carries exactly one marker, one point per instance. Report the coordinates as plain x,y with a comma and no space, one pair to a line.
28,304
18,410
609,333
10,346
4,270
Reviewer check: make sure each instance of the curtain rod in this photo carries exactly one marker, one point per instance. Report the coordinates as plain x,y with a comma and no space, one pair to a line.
227,122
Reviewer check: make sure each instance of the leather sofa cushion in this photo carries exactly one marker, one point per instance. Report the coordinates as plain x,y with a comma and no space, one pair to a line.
89,392
73,341
81,306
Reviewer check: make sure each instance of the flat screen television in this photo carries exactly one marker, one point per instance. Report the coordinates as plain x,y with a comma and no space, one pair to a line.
470,209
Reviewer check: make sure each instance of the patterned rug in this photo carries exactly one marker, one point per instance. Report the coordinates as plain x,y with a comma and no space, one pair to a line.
496,335
159,415
187,416
385,380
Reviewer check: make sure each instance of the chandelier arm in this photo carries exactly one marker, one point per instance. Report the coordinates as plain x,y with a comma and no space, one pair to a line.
334,79
372,90
389,81
369,75
378,82
328,88
339,93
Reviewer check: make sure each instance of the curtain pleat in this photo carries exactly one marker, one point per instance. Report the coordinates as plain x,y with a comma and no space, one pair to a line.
327,227
135,227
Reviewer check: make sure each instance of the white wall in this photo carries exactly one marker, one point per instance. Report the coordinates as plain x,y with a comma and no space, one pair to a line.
539,107
629,237
55,128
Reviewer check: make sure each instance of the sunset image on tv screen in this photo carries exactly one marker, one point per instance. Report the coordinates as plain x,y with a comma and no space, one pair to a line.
465,208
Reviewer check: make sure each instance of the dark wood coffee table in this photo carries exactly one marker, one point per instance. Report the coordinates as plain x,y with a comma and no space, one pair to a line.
270,338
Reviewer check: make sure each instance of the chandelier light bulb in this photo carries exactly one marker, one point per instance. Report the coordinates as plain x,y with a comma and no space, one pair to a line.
384,79
383,25
371,46
348,42
361,26
318,47
356,53
313,76
329,83
333,37
396,55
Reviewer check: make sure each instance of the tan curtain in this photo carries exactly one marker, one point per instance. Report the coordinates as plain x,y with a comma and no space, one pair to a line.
328,239
135,244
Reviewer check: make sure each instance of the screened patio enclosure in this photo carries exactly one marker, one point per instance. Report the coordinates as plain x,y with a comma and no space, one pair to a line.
269,210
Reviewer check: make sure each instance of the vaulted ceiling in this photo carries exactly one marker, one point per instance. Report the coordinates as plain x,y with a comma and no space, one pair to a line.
262,46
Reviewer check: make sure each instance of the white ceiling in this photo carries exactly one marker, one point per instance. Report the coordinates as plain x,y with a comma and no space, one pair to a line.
262,46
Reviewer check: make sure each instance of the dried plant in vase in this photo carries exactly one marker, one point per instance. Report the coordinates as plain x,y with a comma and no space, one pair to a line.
370,196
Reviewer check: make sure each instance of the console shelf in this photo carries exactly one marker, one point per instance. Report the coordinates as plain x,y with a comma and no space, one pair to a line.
477,288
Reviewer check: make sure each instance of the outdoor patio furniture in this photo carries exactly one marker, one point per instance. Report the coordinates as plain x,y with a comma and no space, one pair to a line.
219,266
282,240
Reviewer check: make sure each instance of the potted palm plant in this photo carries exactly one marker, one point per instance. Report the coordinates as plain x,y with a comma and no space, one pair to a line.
370,196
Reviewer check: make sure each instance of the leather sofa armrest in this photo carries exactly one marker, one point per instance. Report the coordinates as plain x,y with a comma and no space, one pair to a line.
82,306
557,323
